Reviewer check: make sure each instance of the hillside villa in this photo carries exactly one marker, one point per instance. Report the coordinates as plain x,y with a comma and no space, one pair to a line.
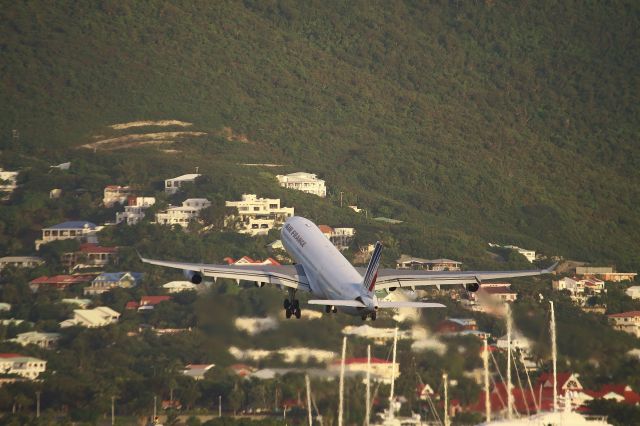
257,216
305,182
171,186
22,365
115,194
606,273
92,318
20,262
83,231
629,322
134,210
182,215
339,237
59,282
43,340
409,262
90,256
110,280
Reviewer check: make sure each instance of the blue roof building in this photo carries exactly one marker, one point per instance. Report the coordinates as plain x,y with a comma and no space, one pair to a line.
110,280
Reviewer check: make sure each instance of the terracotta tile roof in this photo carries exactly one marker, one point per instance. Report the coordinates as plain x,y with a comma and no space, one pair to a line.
94,248
153,300
625,314
63,279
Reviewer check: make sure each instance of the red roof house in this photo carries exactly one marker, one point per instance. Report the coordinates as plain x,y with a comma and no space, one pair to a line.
148,302
60,282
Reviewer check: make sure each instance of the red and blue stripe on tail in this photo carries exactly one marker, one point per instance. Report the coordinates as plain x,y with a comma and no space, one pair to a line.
372,269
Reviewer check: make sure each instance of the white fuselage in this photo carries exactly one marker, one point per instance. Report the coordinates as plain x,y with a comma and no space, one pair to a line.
330,275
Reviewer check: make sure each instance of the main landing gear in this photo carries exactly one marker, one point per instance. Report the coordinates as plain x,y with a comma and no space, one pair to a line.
328,309
292,305
372,315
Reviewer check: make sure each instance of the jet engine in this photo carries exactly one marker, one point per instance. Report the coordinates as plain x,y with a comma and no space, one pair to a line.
193,276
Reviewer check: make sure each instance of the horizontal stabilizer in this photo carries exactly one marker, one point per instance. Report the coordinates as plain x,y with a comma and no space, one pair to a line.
329,302
383,304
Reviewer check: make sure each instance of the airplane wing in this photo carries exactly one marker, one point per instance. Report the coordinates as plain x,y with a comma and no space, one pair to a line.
292,276
394,278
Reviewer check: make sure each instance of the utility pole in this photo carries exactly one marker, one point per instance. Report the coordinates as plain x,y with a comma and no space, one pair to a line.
487,400
368,401
341,198
509,390
113,410
445,382
219,405
38,404
341,402
155,408
310,414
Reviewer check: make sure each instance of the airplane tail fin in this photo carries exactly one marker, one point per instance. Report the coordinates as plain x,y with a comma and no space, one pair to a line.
372,269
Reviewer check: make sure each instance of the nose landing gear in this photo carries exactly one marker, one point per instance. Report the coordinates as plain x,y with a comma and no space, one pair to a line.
330,309
372,315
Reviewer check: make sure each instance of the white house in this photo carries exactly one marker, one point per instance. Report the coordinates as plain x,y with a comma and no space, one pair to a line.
184,214
406,261
530,255
171,186
305,182
197,371
134,210
25,366
81,303
629,322
8,182
380,336
82,231
339,237
20,262
179,286
92,318
257,216
43,340
115,194
633,292
580,288
381,370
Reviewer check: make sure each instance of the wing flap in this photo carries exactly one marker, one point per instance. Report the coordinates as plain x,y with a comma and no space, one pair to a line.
391,278
292,276
384,304
337,302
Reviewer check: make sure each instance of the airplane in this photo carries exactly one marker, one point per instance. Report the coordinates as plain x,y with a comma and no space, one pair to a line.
323,271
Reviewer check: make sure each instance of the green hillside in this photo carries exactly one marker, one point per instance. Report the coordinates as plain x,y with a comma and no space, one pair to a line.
471,121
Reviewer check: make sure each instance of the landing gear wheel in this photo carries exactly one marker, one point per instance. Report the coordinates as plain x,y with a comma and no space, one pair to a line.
364,317
296,304
288,313
286,304
298,313
334,309
374,316
327,309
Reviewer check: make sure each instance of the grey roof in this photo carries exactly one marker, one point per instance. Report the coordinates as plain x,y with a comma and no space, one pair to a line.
73,224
